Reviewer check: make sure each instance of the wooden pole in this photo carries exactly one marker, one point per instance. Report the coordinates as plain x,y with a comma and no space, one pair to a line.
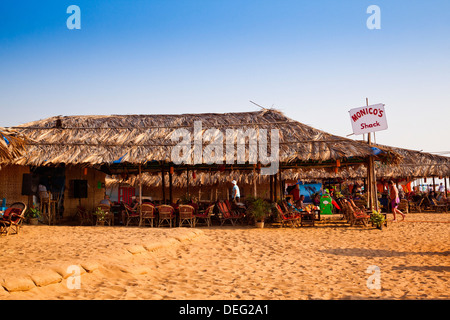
372,191
187,181
445,185
140,195
281,185
271,188
170,187
163,184
254,183
275,187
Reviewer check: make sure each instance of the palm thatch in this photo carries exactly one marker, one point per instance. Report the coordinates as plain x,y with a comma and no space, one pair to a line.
141,139
12,145
414,164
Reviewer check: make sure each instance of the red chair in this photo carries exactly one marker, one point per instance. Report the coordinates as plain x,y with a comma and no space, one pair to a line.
286,220
132,215
237,216
13,218
166,214
224,214
205,217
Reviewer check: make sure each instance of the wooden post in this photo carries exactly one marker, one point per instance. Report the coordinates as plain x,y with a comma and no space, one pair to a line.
445,185
254,183
372,190
275,186
170,187
140,195
271,188
187,181
434,185
163,184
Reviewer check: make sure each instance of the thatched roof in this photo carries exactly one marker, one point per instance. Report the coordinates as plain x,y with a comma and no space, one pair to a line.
414,164
141,139
12,145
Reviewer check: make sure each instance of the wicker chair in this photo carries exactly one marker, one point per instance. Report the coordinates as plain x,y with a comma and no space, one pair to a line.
12,219
84,216
186,215
166,214
147,214
132,215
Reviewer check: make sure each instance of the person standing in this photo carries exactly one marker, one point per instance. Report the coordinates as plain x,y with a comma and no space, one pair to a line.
295,192
395,200
235,194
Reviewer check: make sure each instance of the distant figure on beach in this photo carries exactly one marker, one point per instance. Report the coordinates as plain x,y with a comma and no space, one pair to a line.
441,188
395,200
235,194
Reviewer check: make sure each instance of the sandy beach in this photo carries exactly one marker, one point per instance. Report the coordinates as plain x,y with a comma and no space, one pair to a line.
328,261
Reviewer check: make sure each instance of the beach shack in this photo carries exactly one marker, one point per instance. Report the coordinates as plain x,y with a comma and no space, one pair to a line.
166,156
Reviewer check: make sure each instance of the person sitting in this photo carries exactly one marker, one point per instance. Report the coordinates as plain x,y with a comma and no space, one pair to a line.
135,204
291,205
316,199
299,204
106,201
441,198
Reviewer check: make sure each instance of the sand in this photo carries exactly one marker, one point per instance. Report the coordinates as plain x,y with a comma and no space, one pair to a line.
328,261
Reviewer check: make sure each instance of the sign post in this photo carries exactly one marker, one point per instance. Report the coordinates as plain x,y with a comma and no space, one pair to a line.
369,119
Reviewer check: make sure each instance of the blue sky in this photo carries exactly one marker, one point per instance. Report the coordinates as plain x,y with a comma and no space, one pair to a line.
313,60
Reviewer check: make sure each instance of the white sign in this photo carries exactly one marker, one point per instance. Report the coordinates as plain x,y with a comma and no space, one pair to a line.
368,119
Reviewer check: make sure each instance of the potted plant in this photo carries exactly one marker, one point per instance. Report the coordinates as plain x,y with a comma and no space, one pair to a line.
377,219
101,216
259,209
33,215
